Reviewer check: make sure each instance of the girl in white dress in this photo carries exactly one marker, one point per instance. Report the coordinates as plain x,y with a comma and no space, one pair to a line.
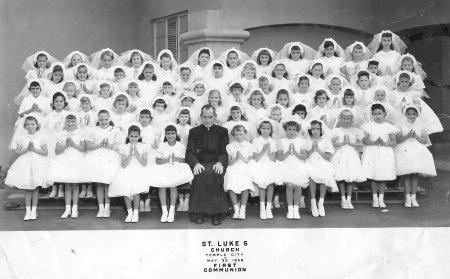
378,159
70,61
283,99
275,114
29,171
150,138
70,88
36,64
248,77
348,101
316,77
200,60
105,100
136,102
264,83
120,116
321,111
33,101
134,59
167,63
320,169
66,168
263,57
363,90
215,100
160,114
257,109
332,56
280,75
234,59
150,84
129,181
387,48
185,77
52,125
335,84
347,141
296,56
238,177
238,115
304,94
356,56
413,158
170,171
291,156
85,76
88,119
53,80
104,61
101,162
266,173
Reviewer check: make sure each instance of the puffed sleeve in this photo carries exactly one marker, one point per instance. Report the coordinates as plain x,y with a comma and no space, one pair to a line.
359,134
160,152
230,150
328,147
90,136
181,151
273,146
124,149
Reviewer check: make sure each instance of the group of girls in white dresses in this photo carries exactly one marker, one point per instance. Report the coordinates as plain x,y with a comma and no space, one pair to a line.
325,119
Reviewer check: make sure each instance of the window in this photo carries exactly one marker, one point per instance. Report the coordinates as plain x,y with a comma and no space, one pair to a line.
167,32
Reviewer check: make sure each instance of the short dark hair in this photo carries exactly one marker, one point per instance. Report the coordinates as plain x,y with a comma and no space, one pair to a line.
313,123
208,107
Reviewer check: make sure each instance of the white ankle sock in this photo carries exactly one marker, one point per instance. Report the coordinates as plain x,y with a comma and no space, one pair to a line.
107,206
172,208
269,205
262,205
321,200
130,211
135,211
243,207
75,207
33,209
313,201
164,208
375,196
236,207
101,207
413,196
67,207
28,208
186,200
343,198
349,198
296,207
381,197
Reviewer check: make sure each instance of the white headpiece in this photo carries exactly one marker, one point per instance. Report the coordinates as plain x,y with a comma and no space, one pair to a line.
156,68
343,81
103,81
349,50
138,111
306,52
397,43
76,83
313,63
272,53
97,56
199,81
52,67
416,65
337,49
32,60
89,70
397,76
127,55
68,59
242,56
237,105
185,65
173,62
187,94
193,59
159,97
411,105
290,119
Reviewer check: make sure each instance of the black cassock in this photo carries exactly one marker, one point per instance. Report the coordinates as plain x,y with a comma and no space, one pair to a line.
207,146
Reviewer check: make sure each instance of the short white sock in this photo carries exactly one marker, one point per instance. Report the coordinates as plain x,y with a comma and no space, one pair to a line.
186,200
413,196
28,208
349,198
269,205
313,201
236,207
172,208
136,211
101,206
33,209
343,198
375,196
296,207
106,206
243,207
147,202
67,207
75,207
130,211
262,205
321,200
164,208
381,197
302,199
181,200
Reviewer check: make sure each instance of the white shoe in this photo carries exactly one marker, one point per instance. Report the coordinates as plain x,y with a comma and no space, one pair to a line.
302,205
141,206
147,207
61,192
33,215
269,214
100,213
236,214
171,216
350,205
262,213
296,215
241,214
414,202
382,204
321,210
375,203
129,217
180,206
276,204
408,201
186,206
65,214
135,217
89,194
290,214
106,213
27,216
344,205
74,214
314,210
164,217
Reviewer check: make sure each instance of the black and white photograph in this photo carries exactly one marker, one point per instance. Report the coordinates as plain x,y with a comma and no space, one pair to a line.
224,139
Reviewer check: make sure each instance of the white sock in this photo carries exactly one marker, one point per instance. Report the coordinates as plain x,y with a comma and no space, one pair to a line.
172,208
413,196
381,197
147,202
135,212
262,205
130,211
236,207
33,209
67,207
243,207
349,198
321,200
107,206
101,207
302,199
28,209
375,196
343,198
164,208
313,201
75,207
269,205
181,200
296,207
186,200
